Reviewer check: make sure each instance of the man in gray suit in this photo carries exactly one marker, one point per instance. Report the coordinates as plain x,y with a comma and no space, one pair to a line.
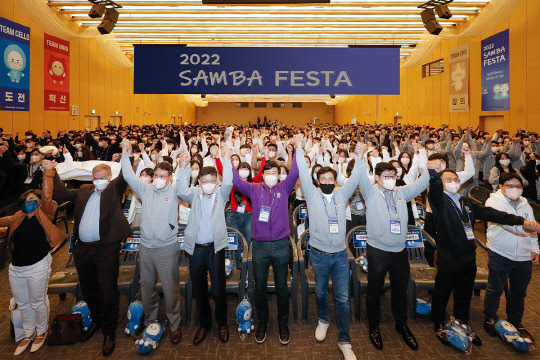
206,240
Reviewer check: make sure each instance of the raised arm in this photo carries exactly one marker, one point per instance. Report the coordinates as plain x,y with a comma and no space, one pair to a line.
48,205
413,190
227,183
351,184
305,176
183,176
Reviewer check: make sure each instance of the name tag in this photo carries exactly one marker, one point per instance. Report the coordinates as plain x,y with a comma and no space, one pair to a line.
264,215
395,227
359,205
241,208
333,226
29,180
469,231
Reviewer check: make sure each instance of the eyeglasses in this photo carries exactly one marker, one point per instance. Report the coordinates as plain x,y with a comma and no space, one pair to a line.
449,180
513,187
202,182
388,177
164,177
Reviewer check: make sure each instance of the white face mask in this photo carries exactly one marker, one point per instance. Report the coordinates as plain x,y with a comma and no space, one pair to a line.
28,137
145,179
244,173
29,145
504,162
101,184
399,172
80,154
159,183
430,146
132,142
78,145
494,149
194,173
282,177
35,158
243,151
153,156
452,187
271,180
101,144
21,157
513,194
405,161
389,184
271,154
208,188
526,143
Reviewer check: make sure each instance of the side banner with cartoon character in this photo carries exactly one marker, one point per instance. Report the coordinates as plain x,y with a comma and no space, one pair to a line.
459,79
495,72
15,68
56,84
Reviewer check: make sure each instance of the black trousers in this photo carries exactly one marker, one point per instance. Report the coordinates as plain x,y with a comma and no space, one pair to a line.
205,261
381,262
457,278
429,250
97,267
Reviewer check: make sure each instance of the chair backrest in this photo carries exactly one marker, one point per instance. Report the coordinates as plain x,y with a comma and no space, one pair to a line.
300,214
71,261
415,245
357,238
479,193
303,247
130,250
234,238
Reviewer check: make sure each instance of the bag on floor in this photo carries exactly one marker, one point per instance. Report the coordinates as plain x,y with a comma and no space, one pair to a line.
65,330
17,331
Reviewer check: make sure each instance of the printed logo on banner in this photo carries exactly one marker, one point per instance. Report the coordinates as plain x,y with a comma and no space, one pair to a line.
56,81
15,68
459,79
495,72
265,70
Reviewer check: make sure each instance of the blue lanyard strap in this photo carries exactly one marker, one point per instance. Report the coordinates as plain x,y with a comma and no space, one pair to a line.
326,210
459,213
273,198
387,207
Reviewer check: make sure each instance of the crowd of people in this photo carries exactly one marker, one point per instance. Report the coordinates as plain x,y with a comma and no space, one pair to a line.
187,176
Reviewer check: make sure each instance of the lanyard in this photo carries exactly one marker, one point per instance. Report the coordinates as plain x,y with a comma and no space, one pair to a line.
460,214
273,198
326,210
387,207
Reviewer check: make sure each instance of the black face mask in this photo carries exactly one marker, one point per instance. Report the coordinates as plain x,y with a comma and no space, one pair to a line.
327,188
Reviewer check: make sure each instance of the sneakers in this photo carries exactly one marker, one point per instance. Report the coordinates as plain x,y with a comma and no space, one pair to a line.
347,351
260,333
284,335
23,345
320,332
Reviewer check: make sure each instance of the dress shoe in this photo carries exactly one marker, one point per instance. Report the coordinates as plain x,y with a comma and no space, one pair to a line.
24,344
38,342
224,333
489,327
176,336
475,338
524,333
284,334
108,345
88,334
408,337
199,336
260,333
376,339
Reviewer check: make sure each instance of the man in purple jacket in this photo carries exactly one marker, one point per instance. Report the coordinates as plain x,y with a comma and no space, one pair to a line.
270,241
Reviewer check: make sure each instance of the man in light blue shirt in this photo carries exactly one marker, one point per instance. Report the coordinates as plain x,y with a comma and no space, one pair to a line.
89,226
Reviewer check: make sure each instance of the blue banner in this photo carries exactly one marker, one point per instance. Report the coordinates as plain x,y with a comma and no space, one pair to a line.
15,70
163,69
495,72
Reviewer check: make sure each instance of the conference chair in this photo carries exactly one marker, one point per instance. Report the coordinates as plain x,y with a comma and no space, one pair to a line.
66,280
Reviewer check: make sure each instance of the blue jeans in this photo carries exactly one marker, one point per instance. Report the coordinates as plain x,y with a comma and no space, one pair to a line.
502,271
336,266
242,223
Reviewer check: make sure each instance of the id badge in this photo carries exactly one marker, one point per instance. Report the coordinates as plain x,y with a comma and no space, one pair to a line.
469,231
395,227
333,226
264,215
359,205
29,180
241,208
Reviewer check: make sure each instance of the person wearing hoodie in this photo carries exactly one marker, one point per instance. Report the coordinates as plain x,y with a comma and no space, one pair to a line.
327,206
512,254
159,252
454,217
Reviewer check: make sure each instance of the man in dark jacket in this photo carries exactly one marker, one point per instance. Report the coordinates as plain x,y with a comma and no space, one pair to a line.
454,218
99,229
